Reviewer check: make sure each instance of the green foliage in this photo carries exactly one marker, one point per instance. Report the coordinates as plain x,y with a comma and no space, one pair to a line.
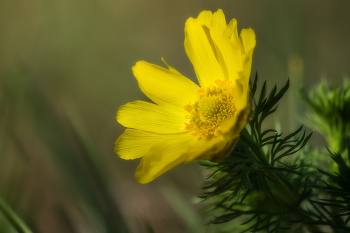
280,147
10,221
68,146
255,184
329,112
270,183
338,194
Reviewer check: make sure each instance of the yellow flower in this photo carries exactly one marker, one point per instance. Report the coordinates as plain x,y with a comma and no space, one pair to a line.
187,122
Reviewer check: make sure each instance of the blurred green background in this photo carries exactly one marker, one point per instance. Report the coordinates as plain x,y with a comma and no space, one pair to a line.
65,69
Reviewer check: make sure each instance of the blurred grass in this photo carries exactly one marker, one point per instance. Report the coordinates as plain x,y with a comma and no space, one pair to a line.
9,221
65,68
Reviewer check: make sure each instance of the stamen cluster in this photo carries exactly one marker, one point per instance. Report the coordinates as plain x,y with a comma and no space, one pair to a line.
214,104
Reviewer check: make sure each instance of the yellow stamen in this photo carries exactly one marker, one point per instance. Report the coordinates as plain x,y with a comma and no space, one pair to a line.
214,104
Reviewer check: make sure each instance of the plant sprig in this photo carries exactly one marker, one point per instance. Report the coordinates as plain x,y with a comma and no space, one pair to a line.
255,182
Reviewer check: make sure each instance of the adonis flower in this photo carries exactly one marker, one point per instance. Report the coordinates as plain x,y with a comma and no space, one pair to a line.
190,122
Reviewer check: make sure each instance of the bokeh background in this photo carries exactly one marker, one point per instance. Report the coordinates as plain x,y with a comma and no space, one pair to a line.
65,69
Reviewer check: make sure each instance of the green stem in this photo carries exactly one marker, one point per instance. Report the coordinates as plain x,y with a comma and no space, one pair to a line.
337,144
17,223
262,157
256,149
282,188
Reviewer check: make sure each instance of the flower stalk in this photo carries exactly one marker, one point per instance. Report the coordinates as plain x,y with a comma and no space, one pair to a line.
285,193
254,147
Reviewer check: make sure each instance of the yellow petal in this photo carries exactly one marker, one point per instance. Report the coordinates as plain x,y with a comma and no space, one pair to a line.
231,127
231,32
219,21
205,148
224,152
133,143
205,18
162,158
240,94
247,38
201,54
150,117
241,90
166,87
227,47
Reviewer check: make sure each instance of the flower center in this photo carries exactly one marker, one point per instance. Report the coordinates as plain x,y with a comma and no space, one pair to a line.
214,104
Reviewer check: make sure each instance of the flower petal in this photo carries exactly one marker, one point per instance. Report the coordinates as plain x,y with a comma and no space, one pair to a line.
240,94
205,18
161,158
231,127
134,143
166,87
241,86
219,21
150,117
247,38
232,33
201,54
224,152
205,148
228,47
